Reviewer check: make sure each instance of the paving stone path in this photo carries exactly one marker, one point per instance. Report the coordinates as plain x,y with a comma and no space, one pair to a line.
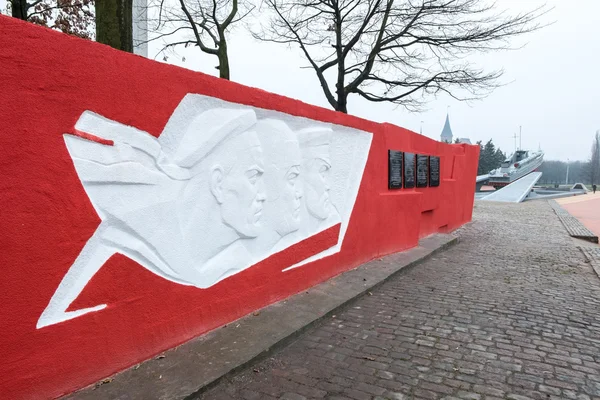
511,312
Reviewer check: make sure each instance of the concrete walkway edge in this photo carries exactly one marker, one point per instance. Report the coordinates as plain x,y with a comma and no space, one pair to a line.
190,369
575,228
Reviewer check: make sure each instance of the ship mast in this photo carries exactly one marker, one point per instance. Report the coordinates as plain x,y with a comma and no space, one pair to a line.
520,148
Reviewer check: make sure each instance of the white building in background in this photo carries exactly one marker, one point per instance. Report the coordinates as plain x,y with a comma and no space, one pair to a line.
140,27
447,135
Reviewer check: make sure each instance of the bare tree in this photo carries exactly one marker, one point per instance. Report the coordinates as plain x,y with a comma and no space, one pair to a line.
396,51
202,23
74,17
594,161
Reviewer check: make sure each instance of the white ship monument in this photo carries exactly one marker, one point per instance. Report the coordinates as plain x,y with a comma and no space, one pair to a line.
514,181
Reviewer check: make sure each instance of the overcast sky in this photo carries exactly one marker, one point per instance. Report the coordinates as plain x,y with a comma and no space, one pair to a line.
554,89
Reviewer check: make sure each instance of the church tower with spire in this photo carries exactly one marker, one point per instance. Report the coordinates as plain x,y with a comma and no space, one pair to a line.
446,135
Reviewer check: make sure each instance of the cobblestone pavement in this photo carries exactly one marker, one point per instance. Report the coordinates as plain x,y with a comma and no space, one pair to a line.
511,312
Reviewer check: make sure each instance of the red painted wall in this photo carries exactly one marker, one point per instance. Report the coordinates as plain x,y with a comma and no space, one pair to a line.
47,80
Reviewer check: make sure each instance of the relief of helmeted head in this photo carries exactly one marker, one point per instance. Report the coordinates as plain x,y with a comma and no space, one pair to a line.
237,183
282,175
316,164
230,166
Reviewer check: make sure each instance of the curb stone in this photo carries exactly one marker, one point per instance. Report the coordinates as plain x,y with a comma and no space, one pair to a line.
592,254
573,226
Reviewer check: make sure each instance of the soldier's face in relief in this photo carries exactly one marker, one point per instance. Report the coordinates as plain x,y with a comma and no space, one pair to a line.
240,189
316,176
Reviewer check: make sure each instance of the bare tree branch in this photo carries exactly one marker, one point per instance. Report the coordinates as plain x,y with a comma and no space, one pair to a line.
74,17
297,39
398,51
234,10
35,3
195,29
46,8
203,23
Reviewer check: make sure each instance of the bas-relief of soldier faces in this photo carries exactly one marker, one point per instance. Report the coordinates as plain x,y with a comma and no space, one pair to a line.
223,187
238,186
316,166
260,192
282,176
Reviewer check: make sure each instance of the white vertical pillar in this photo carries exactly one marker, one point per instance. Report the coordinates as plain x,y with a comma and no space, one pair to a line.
140,27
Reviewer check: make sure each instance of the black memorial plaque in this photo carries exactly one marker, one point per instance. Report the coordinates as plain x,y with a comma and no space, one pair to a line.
409,170
434,171
394,169
422,170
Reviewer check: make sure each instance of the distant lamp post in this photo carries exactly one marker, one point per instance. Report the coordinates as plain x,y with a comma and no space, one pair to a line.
567,179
